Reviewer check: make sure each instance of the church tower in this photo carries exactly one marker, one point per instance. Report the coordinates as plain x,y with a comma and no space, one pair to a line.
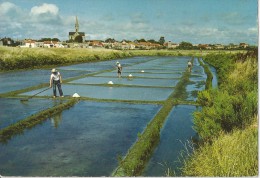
77,25
77,34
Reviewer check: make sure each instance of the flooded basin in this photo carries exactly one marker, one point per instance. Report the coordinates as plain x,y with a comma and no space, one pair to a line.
177,131
22,79
85,145
13,110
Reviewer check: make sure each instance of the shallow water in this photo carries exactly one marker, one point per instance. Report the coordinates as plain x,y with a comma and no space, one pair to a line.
11,81
176,133
85,145
13,110
215,77
198,79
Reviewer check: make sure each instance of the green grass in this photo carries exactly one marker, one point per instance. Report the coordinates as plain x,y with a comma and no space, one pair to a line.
25,58
230,155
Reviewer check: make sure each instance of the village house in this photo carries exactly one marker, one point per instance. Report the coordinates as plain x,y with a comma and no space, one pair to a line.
243,45
170,45
95,44
29,44
52,44
219,46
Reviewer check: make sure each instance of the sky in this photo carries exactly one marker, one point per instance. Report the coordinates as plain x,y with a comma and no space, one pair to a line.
194,21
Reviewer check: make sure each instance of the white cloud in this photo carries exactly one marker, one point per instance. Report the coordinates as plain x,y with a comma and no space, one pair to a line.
6,7
45,9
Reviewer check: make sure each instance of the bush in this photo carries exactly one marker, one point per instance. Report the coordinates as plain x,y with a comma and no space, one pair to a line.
233,104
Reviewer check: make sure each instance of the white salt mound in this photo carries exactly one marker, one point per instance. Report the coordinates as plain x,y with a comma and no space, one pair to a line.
75,95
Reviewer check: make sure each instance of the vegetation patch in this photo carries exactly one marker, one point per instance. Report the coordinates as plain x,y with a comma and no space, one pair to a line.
230,155
226,124
209,75
28,58
29,122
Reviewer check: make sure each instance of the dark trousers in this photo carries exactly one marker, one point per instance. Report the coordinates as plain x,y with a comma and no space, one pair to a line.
58,84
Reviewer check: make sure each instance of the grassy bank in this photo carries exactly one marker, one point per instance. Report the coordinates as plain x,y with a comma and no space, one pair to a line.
230,155
25,58
226,123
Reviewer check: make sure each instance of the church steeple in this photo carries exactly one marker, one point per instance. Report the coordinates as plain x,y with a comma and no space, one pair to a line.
77,25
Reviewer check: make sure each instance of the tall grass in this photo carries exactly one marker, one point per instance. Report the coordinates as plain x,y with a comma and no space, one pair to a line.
230,155
24,58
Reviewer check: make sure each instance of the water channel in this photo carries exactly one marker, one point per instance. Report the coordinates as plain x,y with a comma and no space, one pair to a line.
87,139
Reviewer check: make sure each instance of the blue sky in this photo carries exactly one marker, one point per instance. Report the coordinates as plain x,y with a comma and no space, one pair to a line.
195,21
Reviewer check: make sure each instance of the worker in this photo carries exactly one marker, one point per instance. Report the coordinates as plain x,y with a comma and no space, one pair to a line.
56,80
119,69
189,66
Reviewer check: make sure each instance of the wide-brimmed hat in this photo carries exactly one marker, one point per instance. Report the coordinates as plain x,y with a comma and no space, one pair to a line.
53,70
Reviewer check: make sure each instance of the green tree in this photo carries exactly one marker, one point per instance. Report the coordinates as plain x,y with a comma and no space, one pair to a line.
162,40
110,40
185,45
78,39
152,41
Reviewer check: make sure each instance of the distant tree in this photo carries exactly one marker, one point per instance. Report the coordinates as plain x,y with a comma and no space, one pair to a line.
152,41
161,40
128,41
44,39
78,39
7,41
55,39
185,45
141,40
110,40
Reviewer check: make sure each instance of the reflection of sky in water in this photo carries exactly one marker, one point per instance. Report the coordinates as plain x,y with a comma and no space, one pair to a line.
126,81
175,133
11,81
215,77
86,145
118,93
13,110
198,78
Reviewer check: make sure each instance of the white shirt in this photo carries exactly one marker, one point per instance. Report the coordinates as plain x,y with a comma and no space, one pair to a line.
56,76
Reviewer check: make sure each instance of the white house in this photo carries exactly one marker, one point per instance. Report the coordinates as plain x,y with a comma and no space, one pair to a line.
29,44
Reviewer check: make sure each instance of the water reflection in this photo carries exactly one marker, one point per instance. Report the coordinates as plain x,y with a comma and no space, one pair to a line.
56,120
